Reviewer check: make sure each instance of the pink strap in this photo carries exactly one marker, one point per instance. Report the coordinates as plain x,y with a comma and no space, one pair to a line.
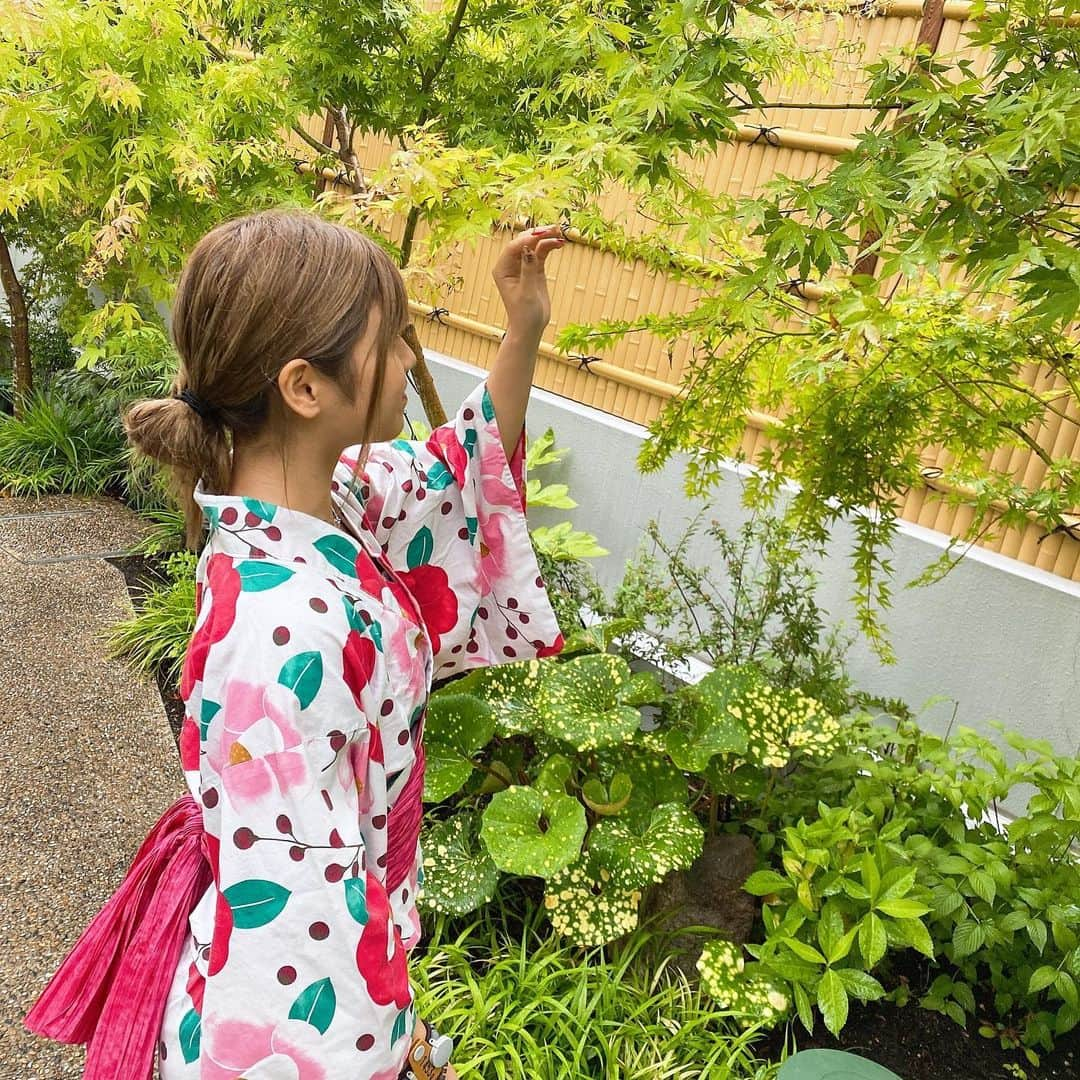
403,822
110,991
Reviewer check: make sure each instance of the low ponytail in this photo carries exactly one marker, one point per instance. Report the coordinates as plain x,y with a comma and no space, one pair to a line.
194,447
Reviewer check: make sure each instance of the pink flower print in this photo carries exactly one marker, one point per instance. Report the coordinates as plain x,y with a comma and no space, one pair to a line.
407,661
496,532
255,730
495,490
233,1048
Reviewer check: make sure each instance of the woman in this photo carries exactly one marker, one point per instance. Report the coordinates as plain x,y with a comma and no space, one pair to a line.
263,930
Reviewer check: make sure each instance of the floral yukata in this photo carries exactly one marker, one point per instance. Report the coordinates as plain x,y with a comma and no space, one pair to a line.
305,688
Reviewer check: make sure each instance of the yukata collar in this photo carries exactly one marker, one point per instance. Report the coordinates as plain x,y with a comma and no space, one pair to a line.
255,529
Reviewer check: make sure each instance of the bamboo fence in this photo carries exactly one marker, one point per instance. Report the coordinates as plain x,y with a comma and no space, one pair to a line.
635,377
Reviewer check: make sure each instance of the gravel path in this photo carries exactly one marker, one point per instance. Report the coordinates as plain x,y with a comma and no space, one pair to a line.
87,762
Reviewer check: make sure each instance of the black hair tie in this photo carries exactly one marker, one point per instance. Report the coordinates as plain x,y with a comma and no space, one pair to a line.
204,409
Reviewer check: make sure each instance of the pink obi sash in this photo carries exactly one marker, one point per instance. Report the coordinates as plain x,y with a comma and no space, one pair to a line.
111,990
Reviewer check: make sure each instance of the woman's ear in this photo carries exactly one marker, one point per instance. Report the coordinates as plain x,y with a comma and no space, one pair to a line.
302,387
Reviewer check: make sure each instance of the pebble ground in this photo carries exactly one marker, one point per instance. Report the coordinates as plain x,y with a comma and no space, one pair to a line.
87,761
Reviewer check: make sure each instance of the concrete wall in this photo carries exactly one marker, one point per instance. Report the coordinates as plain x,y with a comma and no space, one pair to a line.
998,639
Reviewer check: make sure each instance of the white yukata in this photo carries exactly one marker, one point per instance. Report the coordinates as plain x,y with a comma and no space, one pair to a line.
305,690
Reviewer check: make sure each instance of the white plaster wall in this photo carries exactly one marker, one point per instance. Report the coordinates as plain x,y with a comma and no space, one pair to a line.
998,639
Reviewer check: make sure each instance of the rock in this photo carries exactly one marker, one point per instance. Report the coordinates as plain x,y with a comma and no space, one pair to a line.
708,894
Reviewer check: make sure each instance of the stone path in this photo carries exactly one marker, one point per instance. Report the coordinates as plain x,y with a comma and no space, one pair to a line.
87,761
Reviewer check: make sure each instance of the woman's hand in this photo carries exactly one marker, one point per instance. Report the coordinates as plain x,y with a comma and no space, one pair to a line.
450,1073
519,277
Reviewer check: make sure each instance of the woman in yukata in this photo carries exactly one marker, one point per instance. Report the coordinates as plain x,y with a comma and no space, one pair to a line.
264,928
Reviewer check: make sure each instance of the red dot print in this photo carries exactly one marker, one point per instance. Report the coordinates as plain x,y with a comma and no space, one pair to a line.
365,1042
163,1050
388,522
463,533
511,633
273,533
210,798
482,612
403,737
381,860
407,485
257,553
284,825
524,617
286,975
229,515
468,414
512,603
404,894
471,647
333,485
387,707
509,650
539,583
421,493
243,838
537,644
251,520
282,635
378,821
446,508
334,873
319,931
456,649
401,515
316,603
296,853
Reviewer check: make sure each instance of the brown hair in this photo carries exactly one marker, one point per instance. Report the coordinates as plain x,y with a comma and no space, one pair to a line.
255,292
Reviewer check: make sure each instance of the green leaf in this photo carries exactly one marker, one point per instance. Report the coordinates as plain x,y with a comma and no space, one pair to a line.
190,1036
264,510
316,1005
860,985
303,675
255,902
765,882
421,548
872,941
902,909
1041,978
439,477
356,898
521,843
671,840
832,1000
803,950
896,883
983,885
259,575
339,551
968,937
804,1008
460,876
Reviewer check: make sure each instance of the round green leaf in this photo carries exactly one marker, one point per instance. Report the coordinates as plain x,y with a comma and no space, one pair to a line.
520,843
459,875
461,721
672,840
511,690
587,904
445,773
580,702
607,801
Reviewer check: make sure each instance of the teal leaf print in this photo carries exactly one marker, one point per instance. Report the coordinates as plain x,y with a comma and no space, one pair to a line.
486,406
258,575
265,510
316,1005
303,675
210,709
361,625
255,902
190,1036
356,899
470,524
213,515
439,477
404,444
401,1025
421,548
469,442
339,552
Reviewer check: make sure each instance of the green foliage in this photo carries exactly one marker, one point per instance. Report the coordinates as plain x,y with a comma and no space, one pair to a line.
761,610
156,638
895,843
61,444
534,1003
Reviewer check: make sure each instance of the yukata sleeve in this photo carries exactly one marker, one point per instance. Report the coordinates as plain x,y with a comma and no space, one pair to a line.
306,971
449,512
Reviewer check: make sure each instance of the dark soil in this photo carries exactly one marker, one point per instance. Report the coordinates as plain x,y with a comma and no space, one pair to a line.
918,1044
141,572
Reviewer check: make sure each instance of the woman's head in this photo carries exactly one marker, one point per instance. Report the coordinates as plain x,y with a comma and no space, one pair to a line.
284,323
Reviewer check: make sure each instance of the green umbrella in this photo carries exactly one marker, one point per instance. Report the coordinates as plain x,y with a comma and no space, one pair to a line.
832,1065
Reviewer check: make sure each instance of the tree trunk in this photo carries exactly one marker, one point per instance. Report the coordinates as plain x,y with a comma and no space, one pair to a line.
425,384
22,369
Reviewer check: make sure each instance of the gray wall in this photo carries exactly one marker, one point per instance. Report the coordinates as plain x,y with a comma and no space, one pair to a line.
996,639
